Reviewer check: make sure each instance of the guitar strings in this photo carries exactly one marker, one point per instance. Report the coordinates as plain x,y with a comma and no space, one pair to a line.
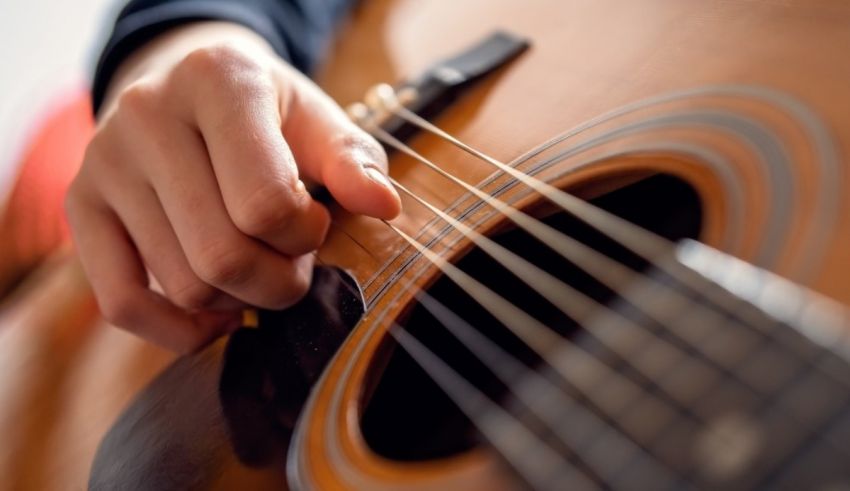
476,348
640,241
477,342
572,363
536,386
532,458
576,305
535,460
539,464
610,273
570,301
568,419
530,388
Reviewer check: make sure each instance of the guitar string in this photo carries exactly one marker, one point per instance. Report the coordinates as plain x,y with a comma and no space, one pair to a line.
642,242
491,366
570,301
604,268
571,362
547,401
698,324
533,459
369,251
480,409
492,420
610,273
480,345
527,386
578,306
515,390
498,361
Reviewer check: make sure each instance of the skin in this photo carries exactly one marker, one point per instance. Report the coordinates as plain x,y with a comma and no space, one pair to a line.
191,201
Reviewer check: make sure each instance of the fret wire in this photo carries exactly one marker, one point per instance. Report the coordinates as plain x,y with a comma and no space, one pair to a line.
775,401
780,421
769,391
820,455
734,369
805,437
716,389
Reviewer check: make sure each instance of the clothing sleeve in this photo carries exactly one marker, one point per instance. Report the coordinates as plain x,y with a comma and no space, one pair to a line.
298,30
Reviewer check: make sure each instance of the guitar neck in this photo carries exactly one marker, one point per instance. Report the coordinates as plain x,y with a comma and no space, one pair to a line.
738,380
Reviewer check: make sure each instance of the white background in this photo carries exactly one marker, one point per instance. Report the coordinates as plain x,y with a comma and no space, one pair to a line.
47,48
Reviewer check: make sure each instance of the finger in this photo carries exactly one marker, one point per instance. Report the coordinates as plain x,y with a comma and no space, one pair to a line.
219,253
332,150
138,208
118,279
253,165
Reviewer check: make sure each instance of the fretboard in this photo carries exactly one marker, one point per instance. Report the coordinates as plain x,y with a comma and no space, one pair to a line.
738,380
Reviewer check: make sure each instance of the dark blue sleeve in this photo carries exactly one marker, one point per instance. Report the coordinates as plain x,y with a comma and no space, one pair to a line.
298,30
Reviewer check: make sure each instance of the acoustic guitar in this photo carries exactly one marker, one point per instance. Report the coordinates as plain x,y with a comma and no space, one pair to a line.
622,264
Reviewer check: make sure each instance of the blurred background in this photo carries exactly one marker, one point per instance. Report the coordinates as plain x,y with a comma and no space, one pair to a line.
47,54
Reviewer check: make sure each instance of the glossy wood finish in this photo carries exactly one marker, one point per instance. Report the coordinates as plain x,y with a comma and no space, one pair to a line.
67,376
587,58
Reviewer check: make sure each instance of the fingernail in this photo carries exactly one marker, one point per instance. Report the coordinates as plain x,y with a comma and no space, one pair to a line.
379,177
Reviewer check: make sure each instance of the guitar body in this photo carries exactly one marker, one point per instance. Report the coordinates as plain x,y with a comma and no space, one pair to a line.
744,105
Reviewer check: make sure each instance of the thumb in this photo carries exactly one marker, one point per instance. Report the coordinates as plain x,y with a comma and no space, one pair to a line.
330,149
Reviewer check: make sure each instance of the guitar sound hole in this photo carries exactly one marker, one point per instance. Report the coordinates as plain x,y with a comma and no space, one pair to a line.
408,417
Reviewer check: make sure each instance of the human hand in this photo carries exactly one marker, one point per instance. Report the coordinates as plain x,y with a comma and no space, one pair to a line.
195,177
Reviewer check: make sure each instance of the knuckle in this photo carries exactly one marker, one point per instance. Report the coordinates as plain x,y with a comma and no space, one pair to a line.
223,263
264,211
139,98
96,153
192,295
223,65
216,57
